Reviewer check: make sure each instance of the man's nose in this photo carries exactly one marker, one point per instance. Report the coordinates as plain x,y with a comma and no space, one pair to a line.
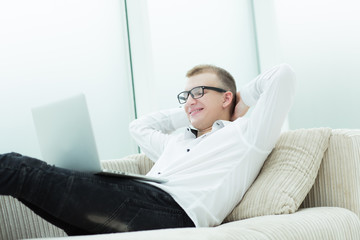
190,100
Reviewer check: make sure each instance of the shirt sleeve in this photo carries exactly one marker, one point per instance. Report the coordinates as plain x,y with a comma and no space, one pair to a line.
272,94
152,132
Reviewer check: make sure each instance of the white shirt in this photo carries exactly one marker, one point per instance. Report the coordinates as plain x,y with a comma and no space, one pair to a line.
209,175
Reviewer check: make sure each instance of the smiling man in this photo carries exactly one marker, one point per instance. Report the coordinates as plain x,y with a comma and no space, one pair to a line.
220,89
214,162
209,167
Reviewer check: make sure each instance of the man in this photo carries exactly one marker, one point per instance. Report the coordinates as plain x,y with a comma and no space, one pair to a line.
212,165
209,167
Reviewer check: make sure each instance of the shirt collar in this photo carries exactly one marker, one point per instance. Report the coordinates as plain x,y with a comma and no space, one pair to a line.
191,132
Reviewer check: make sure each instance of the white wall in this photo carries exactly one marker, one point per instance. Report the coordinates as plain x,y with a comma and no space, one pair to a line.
170,37
51,49
320,39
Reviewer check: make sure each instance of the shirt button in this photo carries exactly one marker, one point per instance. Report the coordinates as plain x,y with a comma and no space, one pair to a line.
159,173
188,150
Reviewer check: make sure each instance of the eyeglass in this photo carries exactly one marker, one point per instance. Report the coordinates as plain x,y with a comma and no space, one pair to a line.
196,92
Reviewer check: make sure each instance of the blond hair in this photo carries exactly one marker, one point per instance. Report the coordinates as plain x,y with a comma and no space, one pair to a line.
226,79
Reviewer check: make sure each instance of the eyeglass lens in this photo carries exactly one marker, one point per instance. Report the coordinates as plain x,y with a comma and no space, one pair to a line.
195,93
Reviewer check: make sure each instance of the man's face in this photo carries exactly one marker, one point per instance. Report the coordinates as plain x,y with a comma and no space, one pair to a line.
204,111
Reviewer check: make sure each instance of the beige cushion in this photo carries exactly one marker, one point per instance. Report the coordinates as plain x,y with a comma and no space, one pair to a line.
136,163
287,175
338,181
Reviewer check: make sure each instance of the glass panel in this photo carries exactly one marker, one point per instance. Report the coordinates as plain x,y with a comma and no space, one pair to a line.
52,49
320,39
170,37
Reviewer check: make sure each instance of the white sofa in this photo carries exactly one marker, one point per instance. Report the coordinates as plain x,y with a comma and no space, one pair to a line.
309,188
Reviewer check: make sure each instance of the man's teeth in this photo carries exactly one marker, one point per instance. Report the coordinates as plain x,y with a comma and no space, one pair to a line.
197,110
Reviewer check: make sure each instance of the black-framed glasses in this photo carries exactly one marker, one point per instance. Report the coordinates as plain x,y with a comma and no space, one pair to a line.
196,92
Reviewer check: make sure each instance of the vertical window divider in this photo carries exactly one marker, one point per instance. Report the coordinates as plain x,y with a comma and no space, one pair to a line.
131,64
130,59
252,7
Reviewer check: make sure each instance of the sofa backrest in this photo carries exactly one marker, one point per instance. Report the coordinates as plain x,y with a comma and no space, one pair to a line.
338,180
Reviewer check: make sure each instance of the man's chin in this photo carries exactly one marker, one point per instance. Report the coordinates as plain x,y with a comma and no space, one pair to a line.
194,125
197,125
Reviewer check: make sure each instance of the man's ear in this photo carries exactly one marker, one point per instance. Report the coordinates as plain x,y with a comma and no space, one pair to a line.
228,97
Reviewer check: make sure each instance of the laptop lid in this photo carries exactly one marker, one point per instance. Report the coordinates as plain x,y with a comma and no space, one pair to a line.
65,134
66,138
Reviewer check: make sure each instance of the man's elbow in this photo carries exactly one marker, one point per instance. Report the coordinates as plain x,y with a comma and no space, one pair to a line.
287,77
133,127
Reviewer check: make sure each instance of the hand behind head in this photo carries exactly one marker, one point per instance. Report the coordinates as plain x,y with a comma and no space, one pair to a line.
240,108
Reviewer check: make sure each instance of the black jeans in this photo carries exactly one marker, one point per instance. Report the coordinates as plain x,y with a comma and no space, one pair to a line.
82,203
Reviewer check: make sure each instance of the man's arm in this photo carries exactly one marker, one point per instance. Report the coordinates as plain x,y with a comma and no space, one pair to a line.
272,92
152,132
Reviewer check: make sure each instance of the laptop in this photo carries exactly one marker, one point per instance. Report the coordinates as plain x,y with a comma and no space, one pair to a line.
66,138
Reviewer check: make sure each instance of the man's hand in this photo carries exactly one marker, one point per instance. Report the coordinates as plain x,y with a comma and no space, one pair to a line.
240,108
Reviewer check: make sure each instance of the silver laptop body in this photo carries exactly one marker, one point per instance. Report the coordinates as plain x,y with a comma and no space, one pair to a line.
66,138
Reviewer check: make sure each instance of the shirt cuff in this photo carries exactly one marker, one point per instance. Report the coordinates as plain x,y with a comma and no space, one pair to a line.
246,96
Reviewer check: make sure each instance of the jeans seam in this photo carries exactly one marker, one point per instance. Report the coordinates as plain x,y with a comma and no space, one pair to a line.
159,211
100,228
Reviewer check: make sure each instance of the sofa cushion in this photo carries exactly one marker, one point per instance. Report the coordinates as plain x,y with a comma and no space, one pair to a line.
338,181
287,175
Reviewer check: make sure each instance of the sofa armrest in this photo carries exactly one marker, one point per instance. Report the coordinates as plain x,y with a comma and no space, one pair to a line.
18,222
136,163
310,223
